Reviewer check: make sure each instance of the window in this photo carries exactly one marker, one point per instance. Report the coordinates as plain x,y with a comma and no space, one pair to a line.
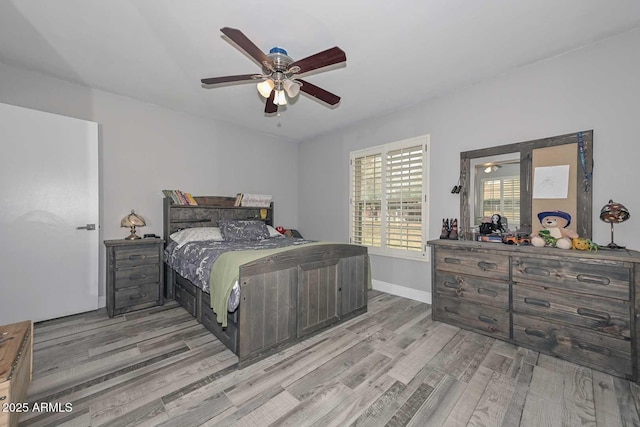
388,211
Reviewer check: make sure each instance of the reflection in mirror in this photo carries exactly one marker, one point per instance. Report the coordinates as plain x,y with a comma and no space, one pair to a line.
495,189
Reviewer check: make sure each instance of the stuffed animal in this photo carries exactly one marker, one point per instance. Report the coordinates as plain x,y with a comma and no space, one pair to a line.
554,230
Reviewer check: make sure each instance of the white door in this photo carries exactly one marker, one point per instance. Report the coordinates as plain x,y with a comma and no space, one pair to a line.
48,188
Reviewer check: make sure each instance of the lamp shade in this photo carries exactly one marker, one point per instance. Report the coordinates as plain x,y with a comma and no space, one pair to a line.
280,98
265,87
291,87
132,221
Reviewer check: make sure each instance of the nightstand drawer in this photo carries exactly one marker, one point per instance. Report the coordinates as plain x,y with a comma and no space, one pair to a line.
138,295
133,257
137,276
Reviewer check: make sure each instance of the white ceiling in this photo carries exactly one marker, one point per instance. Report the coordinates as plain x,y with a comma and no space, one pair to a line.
398,52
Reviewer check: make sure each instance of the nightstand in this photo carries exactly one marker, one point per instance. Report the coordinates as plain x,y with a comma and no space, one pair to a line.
134,274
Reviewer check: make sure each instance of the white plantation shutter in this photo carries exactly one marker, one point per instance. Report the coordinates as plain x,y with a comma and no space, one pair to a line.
404,198
367,200
388,209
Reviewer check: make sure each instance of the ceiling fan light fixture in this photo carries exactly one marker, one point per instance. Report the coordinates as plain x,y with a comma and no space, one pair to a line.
265,87
279,97
292,88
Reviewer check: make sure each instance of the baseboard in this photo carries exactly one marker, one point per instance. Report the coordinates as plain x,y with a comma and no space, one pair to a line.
402,291
102,301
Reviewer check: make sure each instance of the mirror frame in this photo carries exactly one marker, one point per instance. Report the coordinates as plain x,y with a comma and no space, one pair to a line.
584,200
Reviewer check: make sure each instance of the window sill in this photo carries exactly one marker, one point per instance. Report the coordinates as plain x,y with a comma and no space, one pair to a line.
421,257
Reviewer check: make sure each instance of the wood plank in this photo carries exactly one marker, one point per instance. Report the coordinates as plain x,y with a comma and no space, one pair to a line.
605,401
543,406
407,367
466,404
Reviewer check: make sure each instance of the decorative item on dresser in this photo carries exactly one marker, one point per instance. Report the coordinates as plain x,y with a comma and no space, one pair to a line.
579,306
284,296
135,274
16,365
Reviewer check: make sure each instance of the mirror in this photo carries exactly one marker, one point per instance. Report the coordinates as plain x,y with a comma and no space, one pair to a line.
501,180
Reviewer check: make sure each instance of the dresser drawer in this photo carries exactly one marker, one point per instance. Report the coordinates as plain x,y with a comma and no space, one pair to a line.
593,349
473,262
129,297
485,319
606,315
126,257
472,288
228,335
185,299
608,279
137,276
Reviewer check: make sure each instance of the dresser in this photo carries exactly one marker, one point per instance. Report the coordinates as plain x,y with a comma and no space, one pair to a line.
16,363
576,305
135,274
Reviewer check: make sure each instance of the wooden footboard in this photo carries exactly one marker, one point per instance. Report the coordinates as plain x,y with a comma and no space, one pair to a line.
286,297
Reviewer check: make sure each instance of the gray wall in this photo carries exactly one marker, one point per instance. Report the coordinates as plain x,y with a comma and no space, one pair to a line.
145,149
596,87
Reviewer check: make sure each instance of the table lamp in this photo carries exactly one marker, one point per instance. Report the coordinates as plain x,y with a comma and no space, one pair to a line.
132,220
614,213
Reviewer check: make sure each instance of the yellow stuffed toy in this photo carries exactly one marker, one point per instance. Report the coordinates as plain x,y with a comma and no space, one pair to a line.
554,232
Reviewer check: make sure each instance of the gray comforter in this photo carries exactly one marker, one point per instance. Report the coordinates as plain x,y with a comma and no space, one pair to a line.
194,260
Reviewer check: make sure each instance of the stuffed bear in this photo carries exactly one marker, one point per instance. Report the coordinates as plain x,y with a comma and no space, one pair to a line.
554,232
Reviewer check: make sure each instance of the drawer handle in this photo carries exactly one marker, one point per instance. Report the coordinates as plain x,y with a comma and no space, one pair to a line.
142,295
538,302
137,276
594,348
597,280
484,266
490,292
451,260
536,333
450,310
537,271
452,285
587,312
137,256
487,319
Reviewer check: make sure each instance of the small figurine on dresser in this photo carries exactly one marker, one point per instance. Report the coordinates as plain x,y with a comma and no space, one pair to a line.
554,231
449,229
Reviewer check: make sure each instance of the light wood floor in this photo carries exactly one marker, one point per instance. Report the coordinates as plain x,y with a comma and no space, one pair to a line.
392,366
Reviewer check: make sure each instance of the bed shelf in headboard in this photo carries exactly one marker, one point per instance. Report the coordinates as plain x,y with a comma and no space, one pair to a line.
207,213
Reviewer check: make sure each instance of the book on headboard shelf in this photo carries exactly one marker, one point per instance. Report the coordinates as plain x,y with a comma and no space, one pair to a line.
256,200
180,198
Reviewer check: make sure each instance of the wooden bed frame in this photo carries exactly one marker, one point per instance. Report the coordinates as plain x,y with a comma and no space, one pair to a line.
284,297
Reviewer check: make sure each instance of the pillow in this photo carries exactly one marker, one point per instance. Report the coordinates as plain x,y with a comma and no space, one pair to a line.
196,234
273,232
239,229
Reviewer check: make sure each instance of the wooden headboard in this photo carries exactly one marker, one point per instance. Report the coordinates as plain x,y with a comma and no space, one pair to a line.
207,213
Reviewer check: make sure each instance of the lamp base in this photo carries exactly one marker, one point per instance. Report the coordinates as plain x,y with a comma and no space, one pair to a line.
133,235
613,246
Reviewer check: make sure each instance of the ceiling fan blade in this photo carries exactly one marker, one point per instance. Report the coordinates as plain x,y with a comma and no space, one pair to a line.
335,55
270,107
247,45
319,93
229,79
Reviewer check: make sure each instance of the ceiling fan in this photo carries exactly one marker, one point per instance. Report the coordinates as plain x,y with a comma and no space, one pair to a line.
279,71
